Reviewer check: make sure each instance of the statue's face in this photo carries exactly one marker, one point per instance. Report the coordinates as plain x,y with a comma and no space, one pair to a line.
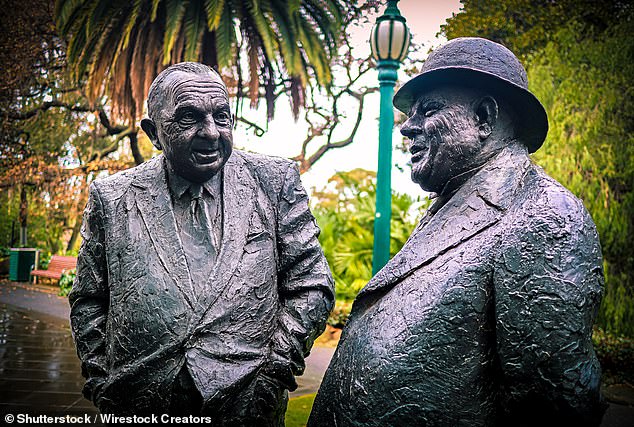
443,133
193,126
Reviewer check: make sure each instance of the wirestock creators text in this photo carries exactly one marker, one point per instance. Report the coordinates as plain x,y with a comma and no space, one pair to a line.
107,419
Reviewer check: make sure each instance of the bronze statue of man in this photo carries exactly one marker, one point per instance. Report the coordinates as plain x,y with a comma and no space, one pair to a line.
201,284
484,318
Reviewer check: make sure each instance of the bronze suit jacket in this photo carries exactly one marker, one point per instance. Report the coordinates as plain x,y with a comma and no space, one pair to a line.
137,322
483,318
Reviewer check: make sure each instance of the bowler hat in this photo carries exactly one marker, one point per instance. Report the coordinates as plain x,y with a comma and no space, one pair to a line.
484,64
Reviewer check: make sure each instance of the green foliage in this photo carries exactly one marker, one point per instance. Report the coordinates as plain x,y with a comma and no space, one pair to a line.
44,260
339,315
590,147
345,214
580,63
616,354
299,410
526,26
66,282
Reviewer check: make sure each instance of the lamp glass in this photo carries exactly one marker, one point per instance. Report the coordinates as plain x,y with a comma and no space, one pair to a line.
389,40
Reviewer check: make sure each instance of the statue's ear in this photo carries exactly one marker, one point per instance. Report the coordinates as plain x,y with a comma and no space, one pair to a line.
487,114
149,128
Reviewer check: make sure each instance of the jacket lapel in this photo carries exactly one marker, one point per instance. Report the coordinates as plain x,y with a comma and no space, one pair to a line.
479,204
155,205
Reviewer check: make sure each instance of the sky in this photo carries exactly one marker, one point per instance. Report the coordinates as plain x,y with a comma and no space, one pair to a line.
284,136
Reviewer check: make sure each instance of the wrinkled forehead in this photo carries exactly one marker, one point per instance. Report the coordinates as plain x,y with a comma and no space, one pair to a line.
181,87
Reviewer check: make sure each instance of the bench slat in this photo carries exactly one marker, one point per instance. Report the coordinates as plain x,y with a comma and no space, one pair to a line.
56,267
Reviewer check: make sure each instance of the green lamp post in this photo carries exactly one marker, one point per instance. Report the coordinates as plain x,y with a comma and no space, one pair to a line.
389,42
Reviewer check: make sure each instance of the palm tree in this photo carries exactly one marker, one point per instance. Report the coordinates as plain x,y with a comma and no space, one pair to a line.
117,47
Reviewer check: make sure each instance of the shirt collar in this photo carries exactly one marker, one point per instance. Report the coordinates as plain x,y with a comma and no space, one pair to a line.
179,185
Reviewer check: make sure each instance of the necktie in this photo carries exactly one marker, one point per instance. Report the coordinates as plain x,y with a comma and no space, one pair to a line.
197,238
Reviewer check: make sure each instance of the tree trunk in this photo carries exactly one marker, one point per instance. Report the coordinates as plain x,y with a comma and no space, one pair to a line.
134,147
81,204
24,210
74,237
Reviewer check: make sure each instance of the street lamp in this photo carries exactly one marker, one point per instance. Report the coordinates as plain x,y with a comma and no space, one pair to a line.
389,42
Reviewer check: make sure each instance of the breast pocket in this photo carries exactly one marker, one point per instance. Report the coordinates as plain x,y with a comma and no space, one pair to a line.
259,237
259,241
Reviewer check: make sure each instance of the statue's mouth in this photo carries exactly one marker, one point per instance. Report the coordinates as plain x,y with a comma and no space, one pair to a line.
206,154
419,151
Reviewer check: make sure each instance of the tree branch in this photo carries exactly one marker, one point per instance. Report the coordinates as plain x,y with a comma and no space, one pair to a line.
307,163
47,105
134,147
110,148
257,130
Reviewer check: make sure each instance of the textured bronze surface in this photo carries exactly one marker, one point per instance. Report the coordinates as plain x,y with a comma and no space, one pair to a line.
484,318
151,338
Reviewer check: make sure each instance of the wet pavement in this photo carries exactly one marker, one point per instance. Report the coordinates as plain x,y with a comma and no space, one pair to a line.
40,373
38,366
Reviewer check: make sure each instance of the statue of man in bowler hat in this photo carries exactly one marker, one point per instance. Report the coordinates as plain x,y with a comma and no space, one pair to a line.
484,317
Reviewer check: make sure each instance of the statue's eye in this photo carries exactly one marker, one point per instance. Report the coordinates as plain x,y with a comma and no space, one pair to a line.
223,118
188,118
431,108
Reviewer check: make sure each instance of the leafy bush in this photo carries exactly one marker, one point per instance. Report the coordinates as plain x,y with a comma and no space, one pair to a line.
44,260
590,147
339,315
616,354
345,213
66,282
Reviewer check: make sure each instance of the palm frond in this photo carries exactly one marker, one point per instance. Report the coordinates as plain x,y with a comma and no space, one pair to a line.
214,9
263,27
285,41
100,66
131,21
154,11
286,27
194,29
315,53
175,9
225,39
66,13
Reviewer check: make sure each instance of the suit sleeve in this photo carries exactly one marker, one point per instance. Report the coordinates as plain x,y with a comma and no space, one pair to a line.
305,283
89,299
548,286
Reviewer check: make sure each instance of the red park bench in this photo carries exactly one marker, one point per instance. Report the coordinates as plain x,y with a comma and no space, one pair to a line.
56,267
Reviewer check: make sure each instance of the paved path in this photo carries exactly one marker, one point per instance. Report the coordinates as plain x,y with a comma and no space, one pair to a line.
39,369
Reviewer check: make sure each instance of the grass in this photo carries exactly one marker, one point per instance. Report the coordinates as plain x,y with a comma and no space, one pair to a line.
299,410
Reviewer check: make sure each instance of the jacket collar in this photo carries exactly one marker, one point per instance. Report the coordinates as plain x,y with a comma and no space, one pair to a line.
476,206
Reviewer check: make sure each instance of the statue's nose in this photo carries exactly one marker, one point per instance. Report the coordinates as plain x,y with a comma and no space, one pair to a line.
209,130
411,129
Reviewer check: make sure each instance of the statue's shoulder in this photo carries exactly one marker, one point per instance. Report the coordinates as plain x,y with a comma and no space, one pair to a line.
264,164
549,202
269,172
554,195
115,185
